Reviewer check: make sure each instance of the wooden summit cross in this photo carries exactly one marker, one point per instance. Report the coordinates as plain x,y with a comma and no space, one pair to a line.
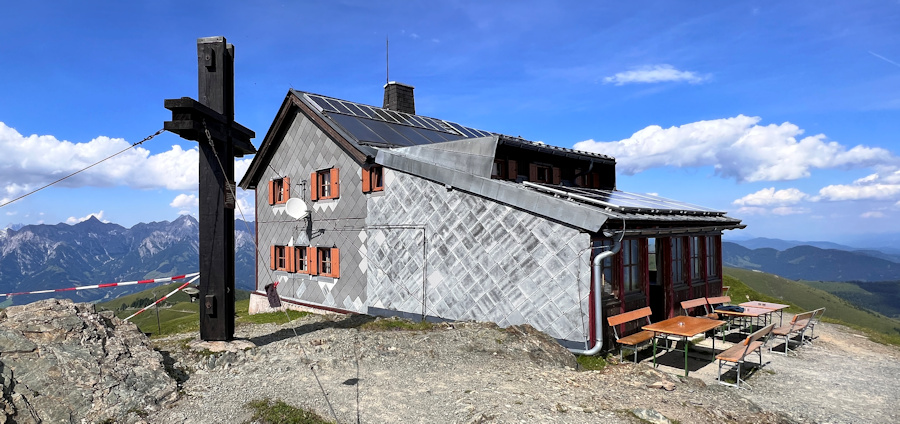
211,123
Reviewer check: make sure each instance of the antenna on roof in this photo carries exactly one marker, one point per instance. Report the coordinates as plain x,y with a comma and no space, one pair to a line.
387,59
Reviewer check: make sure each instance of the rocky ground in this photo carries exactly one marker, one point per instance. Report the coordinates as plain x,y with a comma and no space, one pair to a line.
475,373
62,362
65,363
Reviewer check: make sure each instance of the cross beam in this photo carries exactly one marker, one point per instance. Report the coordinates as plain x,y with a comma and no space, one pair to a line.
210,122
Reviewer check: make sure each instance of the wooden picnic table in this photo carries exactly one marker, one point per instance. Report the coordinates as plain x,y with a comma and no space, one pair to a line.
685,327
748,312
775,307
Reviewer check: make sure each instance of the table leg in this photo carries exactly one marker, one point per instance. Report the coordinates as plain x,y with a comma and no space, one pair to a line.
654,350
686,346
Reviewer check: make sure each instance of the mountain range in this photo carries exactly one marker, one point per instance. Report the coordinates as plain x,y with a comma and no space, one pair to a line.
805,262
41,257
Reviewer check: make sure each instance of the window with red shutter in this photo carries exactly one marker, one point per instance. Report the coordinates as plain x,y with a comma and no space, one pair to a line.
312,260
372,179
325,184
279,255
279,191
366,180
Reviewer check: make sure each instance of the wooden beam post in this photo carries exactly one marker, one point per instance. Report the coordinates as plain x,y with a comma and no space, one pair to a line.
216,91
210,122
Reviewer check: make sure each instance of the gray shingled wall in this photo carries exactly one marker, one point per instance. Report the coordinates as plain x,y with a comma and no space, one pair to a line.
481,260
338,222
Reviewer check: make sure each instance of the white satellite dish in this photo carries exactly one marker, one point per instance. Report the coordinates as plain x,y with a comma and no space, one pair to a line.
296,208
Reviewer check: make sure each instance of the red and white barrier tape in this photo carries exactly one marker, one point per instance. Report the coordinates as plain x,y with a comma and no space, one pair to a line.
164,297
103,286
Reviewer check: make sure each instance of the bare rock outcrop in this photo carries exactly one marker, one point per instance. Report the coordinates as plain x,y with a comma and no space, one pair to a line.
64,362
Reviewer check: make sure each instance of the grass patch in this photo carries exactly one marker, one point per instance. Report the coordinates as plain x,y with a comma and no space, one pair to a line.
267,411
396,324
591,363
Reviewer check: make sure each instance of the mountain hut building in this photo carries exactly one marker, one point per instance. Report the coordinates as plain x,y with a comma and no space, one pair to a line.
377,210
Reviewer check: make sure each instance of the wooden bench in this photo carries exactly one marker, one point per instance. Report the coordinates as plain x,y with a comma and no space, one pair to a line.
798,325
715,302
737,353
817,316
688,305
632,341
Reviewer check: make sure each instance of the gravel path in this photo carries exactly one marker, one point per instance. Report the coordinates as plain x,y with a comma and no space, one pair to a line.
474,373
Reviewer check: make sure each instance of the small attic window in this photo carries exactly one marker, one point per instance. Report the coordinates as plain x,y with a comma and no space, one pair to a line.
498,171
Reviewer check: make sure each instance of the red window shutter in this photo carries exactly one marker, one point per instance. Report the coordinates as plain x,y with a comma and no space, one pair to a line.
366,180
271,192
335,263
532,172
312,260
513,171
579,180
272,263
285,189
335,183
557,175
314,186
290,264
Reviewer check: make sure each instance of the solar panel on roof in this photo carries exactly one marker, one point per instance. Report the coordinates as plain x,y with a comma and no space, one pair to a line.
322,103
630,202
357,128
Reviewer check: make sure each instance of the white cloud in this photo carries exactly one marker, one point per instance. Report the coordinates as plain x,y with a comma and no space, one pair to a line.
73,220
244,208
185,201
752,210
240,168
872,214
655,74
770,196
780,210
32,161
860,192
879,186
737,148
789,210
186,204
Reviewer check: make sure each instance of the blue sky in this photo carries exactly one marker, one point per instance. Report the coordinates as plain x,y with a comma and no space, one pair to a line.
785,114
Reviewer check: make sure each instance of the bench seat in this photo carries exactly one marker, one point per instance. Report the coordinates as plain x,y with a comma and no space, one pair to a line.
632,341
636,338
736,352
798,325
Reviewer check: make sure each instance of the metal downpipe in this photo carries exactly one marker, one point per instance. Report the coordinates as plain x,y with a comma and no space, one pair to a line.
598,297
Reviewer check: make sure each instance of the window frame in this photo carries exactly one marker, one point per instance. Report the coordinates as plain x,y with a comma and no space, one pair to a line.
695,257
325,184
327,261
500,170
713,257
279,258
676,257
632,266
372,179
301,265
279,190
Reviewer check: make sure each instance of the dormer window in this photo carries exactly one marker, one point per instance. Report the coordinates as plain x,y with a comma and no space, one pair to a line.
540,173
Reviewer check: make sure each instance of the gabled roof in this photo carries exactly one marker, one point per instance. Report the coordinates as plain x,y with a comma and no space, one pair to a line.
359,127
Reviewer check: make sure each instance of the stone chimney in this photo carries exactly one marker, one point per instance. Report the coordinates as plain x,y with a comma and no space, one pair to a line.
399,97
